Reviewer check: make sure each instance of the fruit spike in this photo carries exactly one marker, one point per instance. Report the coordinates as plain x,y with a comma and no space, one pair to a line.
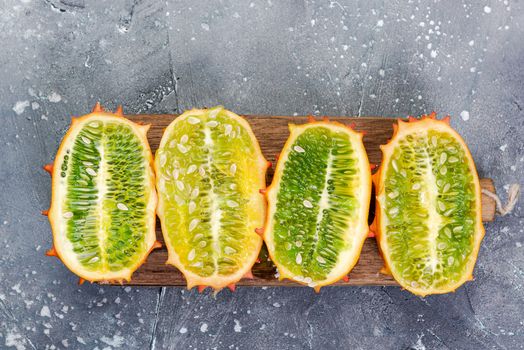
269,164
232,287
48,168
81,281
45,212
277,156
259,231
385,271
432,115
156,245
345,278
352,125
201,288
373,166
311,119
119,111
52,252
373,229
249,275
395,130
325,119
262,191
97,108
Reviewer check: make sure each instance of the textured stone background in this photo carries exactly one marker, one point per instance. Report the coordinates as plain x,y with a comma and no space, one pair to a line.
389,58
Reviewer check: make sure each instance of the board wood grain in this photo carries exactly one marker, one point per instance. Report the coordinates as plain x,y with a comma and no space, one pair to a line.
272,132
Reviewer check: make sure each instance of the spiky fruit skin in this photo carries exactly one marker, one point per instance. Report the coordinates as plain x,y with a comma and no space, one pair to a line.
57,198
402,130
257,204
348,259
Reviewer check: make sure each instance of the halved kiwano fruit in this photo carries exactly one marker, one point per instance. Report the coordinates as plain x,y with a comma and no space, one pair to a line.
103,202
429,224
209,172
318,204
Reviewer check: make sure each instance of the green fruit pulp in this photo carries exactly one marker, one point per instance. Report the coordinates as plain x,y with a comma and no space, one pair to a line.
430,208
104,174
317,200
208,178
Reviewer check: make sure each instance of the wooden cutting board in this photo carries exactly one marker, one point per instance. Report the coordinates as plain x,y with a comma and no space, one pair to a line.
272,132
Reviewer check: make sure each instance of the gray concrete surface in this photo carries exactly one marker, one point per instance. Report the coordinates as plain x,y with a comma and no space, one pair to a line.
385,58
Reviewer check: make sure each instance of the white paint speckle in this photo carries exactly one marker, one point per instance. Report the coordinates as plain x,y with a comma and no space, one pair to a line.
471,42
205,26
20,107
54,97
16,288
45,312
464,115
183,330
419,345
380,23
116,342
238,327
433,53
15,340
203,328
503,147
487,9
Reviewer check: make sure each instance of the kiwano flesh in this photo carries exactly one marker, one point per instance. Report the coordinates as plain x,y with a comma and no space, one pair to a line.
428,221
209,172
318,204
103,202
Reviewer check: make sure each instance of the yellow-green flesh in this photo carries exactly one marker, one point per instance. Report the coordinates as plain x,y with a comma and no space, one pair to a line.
208,182
317,201
430,209
104,196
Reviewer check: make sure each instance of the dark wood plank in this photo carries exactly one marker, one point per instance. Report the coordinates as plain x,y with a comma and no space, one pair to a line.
272,132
